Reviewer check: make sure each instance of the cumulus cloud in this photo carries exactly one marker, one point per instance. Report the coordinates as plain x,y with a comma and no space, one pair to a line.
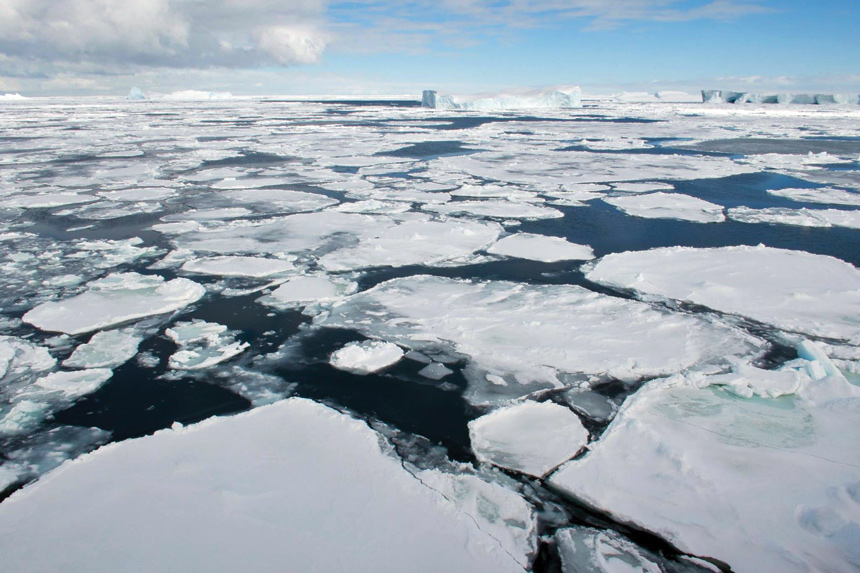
166,33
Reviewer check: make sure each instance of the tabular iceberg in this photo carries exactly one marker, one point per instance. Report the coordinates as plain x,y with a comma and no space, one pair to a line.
563,97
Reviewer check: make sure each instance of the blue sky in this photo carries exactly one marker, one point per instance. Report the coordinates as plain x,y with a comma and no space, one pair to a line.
380,46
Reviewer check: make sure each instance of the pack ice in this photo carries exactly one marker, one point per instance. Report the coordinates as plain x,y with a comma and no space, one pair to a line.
792,290
668,206
117,298
755,468
198,498
520,338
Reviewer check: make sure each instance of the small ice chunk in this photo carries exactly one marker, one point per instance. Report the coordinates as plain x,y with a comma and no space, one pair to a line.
669,206
435,371
23,416
366,357
202,345
77,383
532,437
117,298
540,248
20,357
107,349
237,266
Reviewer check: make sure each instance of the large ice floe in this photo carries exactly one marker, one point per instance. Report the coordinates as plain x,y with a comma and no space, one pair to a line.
792,290
201,498
115,299
828,195
754,468
540,248
797,217
517,343
563,97
668,206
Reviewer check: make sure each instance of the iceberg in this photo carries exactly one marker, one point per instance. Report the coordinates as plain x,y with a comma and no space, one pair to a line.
792,290
721,96
135,94
565,97
199,498
115,299
532,437
761,483
12,97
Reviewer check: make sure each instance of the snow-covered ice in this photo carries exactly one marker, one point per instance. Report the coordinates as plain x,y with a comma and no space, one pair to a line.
533,437
763,484
792,290
202,345
797,217
115,299
366,357
518,343
285,500
828,195
496,209
540,248
74,384
668,206
583,549
303,290
257,267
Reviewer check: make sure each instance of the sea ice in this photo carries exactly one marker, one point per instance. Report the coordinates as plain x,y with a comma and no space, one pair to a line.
75,384
19,357
283,200
300,291
522,338
202,345
668,206
256,267
532,437
117,298
107,349
540,248
792,290
798,217
139,194
827,195
366,357
763,484
227,504
496,209
586,550
435,371
414,242
46,199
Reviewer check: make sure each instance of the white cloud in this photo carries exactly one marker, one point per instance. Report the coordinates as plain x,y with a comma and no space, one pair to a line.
292,44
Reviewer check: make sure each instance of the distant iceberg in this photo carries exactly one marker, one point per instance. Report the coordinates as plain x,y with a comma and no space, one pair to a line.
11,97
135,94
721,96
562,97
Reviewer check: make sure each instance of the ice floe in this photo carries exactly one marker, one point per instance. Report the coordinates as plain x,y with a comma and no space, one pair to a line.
414,243
496,209
115,299
827,195
668,206
49,198
227,503
533,437
366,357
540,248
583,549
797,217
107,349
202,345
227,266
764,484
791,290
303,290
523,338
74,384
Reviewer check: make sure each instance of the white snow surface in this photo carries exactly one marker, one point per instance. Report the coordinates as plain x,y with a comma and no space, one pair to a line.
115,299
522,338
540,248
237,266
199,498
532,437
366,357
107,349
792,290
299,291
763,484
668,206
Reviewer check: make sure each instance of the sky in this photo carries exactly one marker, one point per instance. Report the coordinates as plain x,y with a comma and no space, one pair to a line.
375,47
